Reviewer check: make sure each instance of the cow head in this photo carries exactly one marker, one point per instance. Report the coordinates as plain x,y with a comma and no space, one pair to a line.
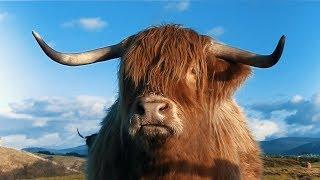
89,139
170,80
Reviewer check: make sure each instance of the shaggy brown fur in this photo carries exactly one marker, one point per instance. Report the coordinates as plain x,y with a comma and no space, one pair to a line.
215,143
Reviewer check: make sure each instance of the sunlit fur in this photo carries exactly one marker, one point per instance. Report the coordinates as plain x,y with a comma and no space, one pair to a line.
215,142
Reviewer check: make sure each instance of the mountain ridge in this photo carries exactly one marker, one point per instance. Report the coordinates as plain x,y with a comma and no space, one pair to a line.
81,150
284,145
279,146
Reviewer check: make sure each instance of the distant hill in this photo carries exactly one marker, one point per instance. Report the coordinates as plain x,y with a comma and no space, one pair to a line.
309,148
284,146
291,145
37,149
82,150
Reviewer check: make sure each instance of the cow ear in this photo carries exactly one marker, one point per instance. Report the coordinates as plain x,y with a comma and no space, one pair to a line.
225,77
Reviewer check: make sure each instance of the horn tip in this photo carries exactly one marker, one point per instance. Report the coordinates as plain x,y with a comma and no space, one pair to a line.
283,38
36,35
278,51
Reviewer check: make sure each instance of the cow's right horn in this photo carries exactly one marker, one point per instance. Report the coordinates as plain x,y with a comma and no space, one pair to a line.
236,55
82,58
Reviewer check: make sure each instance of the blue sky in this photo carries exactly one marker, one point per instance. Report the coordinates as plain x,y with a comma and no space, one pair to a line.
42,102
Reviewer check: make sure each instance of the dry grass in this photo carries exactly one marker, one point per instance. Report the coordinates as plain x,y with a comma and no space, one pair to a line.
15,164
70,177
289,168
37,169
13,159
71,162
275,169
18,164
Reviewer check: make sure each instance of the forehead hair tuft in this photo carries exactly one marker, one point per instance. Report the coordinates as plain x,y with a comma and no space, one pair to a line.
165,53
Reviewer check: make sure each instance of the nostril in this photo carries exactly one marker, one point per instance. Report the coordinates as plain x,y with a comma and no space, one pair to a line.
140,109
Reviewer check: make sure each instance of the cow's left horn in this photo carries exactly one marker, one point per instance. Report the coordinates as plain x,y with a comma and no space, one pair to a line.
240,56
77,59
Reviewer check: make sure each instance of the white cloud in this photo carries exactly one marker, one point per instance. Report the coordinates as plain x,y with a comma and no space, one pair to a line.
263,128
86,23
316,99
300,129
60,115
181,5
54,108
281,114
7,112
39,123
91,106
3,16
297,116
92,23
296,99
216,31
20,141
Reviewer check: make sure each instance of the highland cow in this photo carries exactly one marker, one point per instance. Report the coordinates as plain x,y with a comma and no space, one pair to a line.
174,117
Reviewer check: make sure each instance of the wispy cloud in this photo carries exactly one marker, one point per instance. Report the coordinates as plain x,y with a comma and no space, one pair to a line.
3,16
181,5
57,118
87,23
8,113
296,99
20,141
216,31
263,128
88,107
297,116
48,115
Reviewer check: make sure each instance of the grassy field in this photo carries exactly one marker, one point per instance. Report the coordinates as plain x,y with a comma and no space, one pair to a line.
275,168
55,167
16,164
70,177
76,164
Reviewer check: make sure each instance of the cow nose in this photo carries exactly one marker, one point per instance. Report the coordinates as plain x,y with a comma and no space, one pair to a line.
156,110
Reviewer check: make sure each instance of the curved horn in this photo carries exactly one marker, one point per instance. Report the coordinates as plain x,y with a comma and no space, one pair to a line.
240,56
77,59
80,134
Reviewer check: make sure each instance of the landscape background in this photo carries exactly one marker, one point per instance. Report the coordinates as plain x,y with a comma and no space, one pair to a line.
42,103
283,159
